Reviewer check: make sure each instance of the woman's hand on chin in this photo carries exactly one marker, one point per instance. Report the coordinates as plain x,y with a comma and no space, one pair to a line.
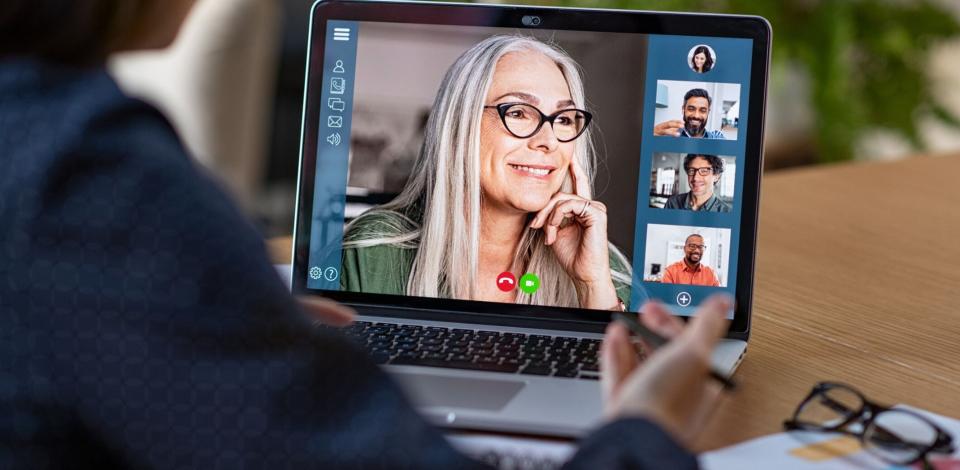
581,246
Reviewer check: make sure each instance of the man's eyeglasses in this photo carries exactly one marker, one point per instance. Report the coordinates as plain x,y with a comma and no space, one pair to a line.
705,171
694,246
523,120
898,436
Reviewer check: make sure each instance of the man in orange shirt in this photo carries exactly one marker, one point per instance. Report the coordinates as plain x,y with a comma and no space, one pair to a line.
689,270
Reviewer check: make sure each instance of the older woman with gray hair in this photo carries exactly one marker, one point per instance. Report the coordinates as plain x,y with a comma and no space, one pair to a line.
503,182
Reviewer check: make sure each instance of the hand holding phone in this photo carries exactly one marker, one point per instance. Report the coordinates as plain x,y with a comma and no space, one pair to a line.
653,341
671,387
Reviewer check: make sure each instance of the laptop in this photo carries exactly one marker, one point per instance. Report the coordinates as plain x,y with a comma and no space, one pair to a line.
487,185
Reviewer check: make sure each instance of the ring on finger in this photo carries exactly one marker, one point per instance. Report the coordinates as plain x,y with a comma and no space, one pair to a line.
586,204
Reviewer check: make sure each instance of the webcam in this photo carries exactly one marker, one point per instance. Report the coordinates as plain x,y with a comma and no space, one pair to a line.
530,20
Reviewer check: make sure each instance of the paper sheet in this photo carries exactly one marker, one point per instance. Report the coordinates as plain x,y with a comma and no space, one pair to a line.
819,451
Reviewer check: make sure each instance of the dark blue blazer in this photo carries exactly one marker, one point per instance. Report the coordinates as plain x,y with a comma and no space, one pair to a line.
142,325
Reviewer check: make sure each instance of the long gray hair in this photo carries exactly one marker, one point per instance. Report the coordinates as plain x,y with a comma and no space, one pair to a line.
438,211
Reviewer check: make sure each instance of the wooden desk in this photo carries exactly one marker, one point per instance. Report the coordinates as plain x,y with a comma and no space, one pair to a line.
858,280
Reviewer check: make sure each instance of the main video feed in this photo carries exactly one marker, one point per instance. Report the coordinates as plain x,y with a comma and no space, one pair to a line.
492,165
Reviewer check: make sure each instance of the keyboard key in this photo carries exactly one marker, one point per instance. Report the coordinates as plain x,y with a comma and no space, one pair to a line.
507,354
483,351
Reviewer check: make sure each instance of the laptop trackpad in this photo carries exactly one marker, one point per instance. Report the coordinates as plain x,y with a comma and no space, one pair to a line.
458,392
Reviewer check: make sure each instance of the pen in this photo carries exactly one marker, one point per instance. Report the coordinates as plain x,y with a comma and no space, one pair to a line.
656,341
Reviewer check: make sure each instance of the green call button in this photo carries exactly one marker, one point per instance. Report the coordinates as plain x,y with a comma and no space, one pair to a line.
529,283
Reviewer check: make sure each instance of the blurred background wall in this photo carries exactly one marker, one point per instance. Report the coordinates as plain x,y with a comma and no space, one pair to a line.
851,80
216,84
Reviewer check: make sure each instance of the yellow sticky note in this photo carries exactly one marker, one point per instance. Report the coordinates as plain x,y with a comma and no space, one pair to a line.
829,449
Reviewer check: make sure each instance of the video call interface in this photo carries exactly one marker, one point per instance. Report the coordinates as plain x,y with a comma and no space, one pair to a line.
557,168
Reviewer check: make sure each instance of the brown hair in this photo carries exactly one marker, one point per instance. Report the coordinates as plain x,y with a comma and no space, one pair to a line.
67,31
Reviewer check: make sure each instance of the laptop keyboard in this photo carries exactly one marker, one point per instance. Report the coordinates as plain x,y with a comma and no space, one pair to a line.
557,356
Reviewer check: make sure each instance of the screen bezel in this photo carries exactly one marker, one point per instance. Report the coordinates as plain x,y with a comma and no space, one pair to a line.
642,22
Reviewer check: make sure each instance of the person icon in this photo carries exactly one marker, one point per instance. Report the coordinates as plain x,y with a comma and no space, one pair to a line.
701,58
338,67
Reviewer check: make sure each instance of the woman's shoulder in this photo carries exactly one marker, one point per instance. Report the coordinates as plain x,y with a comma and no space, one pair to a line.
378,250
619,261
380,224
622,273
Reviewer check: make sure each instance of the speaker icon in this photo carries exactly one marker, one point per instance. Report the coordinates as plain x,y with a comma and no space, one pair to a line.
334,139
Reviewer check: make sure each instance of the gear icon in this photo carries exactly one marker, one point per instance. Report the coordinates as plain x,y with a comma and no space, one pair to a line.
315,273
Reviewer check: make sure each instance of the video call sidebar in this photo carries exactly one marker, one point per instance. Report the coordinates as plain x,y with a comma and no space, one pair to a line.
333,151
668,59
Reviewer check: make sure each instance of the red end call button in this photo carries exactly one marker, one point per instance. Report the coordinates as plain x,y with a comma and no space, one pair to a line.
506,281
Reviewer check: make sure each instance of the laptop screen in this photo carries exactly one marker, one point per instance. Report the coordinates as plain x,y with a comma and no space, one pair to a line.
569,169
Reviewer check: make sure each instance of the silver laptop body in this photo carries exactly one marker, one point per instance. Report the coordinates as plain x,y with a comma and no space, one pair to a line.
513,402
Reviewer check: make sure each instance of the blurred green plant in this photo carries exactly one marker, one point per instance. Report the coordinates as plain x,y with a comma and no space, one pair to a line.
866,59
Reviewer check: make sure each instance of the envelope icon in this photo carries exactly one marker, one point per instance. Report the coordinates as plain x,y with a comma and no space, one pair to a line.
334,121
338,85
